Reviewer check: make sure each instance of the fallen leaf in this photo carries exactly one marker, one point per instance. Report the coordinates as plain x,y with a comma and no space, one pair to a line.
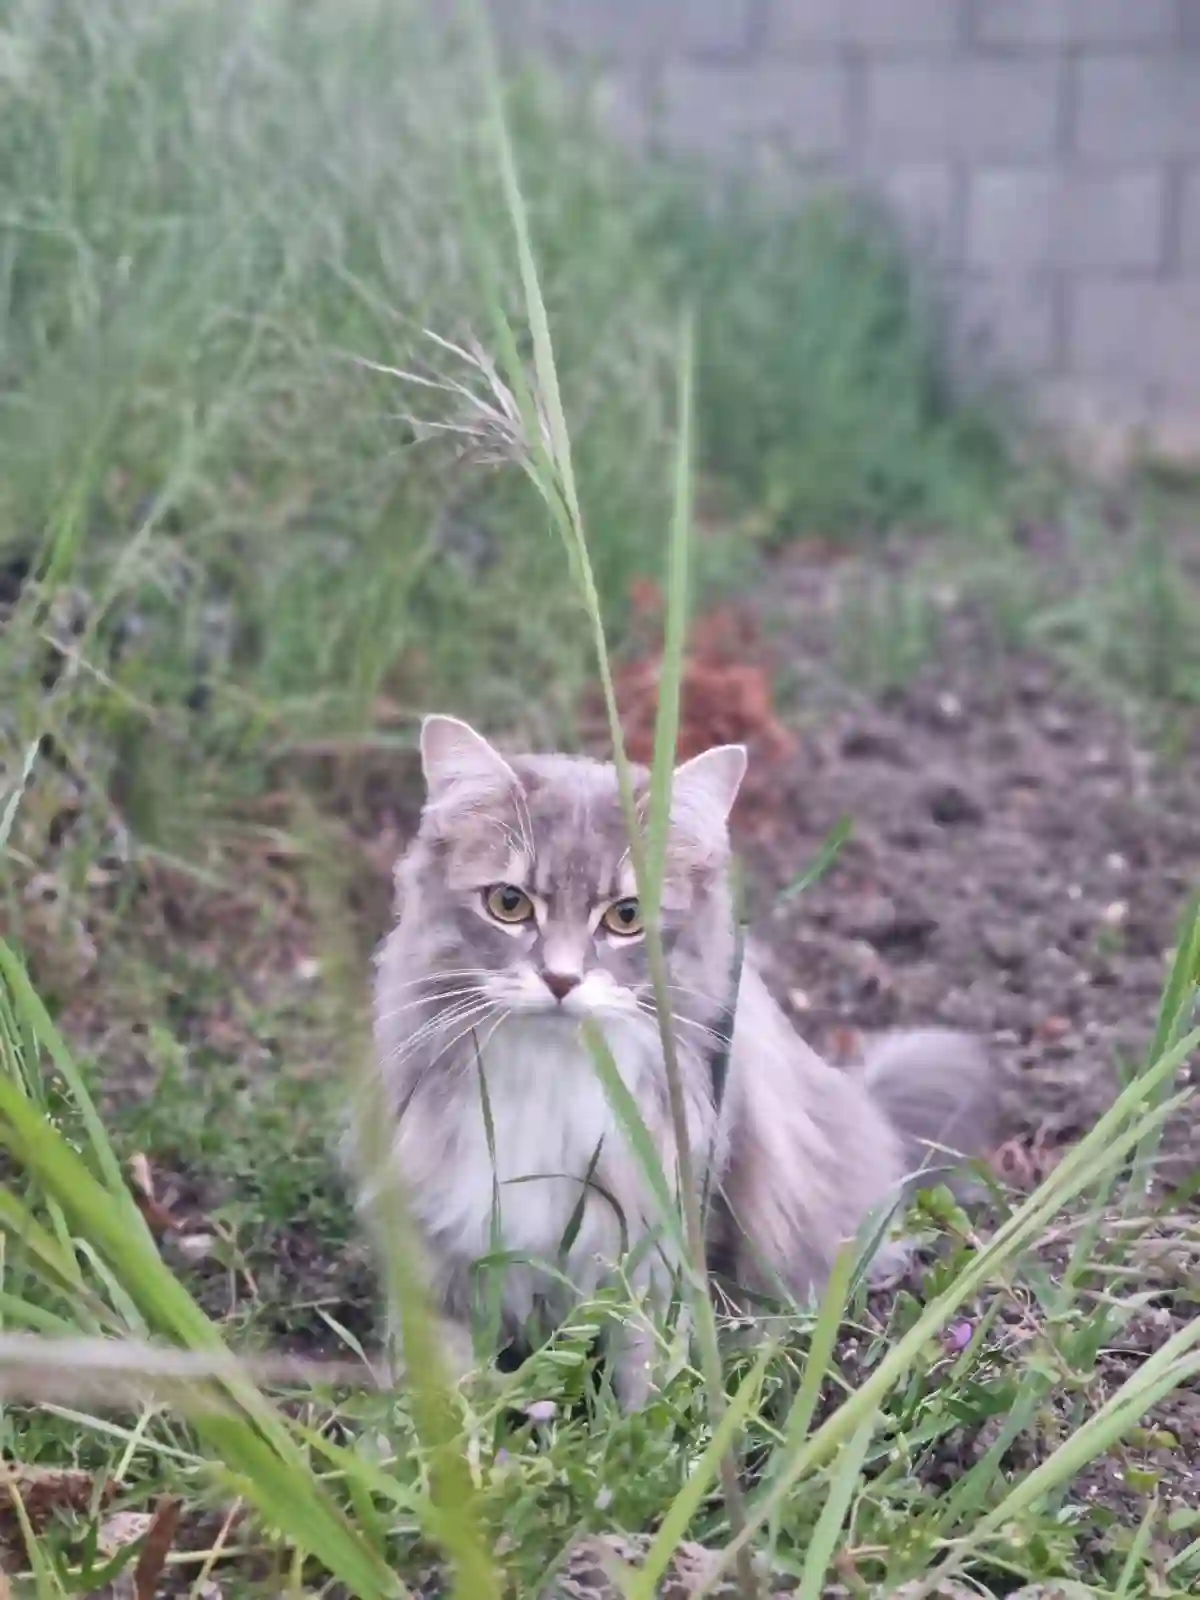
1052,1029
1025,1165
45,1490
122,1529
157,1548
158,1217
1011,1162
197,1247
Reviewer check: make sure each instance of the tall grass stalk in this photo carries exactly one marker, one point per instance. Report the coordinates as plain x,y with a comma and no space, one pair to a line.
550,466
416,1355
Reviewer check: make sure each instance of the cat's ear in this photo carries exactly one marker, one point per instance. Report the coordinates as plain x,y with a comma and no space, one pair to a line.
453,755
709,782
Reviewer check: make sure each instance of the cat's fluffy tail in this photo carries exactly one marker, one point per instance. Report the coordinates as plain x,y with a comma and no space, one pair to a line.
940,1091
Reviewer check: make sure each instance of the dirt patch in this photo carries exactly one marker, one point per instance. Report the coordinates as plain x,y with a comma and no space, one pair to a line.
1018,864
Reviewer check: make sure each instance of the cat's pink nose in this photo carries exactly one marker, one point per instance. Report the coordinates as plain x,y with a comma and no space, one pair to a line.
560,984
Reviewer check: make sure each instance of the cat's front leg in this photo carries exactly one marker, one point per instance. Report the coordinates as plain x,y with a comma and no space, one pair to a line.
637,1342
450,1338
631,1350
636,1348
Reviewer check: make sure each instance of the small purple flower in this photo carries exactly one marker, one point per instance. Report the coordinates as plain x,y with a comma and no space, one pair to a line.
501,1458
958,1336
541,1411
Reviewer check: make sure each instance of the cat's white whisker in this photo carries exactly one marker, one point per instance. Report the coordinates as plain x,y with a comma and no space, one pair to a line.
701,1027
447,1014
486,1040
441,974
439,1056
436,1025
707,999
462,1034
677,1021
437,998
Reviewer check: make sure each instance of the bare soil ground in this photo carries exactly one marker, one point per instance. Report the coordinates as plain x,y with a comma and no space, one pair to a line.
1018,865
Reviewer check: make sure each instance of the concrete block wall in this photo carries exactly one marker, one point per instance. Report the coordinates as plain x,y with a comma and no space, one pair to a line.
1043,154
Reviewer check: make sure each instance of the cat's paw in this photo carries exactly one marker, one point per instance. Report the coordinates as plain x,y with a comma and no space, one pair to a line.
632,1384
632,1354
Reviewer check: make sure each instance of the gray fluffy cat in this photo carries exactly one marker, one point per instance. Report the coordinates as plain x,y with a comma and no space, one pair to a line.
517,917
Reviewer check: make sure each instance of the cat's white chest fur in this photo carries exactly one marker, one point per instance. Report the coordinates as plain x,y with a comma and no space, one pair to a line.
548,1113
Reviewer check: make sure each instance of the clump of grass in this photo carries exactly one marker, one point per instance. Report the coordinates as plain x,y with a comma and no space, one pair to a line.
1132,622
887,628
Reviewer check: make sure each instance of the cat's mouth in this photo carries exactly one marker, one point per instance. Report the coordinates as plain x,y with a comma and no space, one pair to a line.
590,997
565,1011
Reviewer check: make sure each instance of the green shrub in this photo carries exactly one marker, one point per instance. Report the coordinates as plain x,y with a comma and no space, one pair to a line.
825,388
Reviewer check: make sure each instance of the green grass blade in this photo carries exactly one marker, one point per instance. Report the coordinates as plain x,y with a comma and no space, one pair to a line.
687,1502
821,1346
559,489
1174,1015
625,1109
1122,1411
52,1263
28,1004
575,1221
1136,1557
823,1544
666,730
455,1520
9,814
544,366
825,857
260,1439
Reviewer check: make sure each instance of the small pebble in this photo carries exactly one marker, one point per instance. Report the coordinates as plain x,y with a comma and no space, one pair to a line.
196,1247
951,805
1005,947
950,706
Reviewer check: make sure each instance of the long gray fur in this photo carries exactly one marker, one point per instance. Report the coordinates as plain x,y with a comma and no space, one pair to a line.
802,1153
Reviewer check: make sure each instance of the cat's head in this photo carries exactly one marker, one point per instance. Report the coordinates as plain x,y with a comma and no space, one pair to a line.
521,878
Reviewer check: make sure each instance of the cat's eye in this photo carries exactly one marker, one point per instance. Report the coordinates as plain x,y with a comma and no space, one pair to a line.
507,903
623,917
